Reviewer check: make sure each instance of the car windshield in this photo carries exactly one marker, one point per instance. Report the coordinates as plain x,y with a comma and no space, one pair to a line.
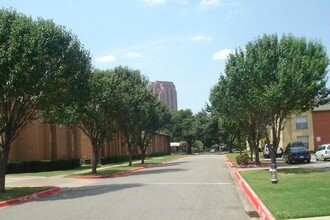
298,149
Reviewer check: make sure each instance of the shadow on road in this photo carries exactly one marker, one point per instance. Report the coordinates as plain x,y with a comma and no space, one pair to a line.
156,171
79,192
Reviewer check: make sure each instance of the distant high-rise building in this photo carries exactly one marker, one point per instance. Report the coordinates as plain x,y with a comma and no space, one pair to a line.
166,93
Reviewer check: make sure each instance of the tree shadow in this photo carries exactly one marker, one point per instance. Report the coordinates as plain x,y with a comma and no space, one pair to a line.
155,171
85,191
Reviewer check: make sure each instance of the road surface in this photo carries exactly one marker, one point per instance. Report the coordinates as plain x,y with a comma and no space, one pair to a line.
196,187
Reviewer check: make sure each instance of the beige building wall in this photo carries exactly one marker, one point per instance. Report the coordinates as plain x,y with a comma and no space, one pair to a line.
291,133
39,141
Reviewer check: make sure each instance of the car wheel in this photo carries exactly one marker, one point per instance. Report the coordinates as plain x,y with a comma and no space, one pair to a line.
309,160
316,158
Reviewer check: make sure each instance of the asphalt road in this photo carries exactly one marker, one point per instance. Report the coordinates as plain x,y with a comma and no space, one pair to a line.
196,188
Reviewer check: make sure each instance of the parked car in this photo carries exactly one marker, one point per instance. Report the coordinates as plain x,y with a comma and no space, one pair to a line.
266,151
323,152
296,152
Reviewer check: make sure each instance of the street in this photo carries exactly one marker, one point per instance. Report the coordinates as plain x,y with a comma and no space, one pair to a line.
195,187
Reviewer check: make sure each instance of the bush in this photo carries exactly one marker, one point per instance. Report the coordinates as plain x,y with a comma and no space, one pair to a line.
107,160
242,159
42,166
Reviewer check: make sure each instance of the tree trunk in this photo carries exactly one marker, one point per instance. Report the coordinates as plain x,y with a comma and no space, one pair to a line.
256,153
129,156
143,154
95,158
4,154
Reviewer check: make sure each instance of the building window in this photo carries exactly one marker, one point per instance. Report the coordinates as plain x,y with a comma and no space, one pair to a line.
301,122
304,140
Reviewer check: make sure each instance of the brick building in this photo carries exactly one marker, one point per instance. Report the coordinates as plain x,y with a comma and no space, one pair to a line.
321,122
39,141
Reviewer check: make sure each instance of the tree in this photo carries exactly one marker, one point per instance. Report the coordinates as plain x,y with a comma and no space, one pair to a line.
154,115
182,127
296,70
129,98
97,118
268,82
41,65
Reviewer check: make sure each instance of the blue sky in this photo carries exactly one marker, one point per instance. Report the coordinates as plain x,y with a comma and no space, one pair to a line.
184,41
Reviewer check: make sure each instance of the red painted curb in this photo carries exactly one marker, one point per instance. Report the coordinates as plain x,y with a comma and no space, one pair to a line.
30,197
258,205
228,162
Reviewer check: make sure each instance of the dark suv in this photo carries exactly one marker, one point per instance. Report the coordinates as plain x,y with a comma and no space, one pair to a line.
296,151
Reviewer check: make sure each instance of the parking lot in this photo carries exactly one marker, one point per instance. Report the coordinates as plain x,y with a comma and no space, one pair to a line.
313,164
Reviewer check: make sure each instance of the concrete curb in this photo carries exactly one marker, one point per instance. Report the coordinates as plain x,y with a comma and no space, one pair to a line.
255,201
128,171
262,210
30,197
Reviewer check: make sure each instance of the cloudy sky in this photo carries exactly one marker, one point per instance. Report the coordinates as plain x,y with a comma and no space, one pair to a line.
184,41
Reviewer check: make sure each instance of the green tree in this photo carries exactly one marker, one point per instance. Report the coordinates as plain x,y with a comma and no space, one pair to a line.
153,116
270,81
41,65
296,73
97,118
182,128
129,98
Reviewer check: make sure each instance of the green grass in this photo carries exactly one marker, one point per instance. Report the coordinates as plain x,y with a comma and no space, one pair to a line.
15,192
53,173
124,166
300,192
232,156
104,169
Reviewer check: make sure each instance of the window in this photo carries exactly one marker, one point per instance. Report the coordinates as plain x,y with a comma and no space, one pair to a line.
301,122
304,140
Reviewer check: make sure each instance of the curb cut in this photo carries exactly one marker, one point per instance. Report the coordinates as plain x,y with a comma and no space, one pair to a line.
128,171
28,198
255,201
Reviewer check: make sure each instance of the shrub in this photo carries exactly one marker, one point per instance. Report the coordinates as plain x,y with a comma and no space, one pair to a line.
242,159
42,166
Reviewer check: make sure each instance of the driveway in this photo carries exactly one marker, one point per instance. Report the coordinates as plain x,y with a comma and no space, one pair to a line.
194,188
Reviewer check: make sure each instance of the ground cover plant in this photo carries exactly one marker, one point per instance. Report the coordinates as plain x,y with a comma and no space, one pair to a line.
300,192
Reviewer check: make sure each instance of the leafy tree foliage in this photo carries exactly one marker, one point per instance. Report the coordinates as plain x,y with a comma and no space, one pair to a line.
41,65
97,117
153,115
182,127
130,99
268,82
207,128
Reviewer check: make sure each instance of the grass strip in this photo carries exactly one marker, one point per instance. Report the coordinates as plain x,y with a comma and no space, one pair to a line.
124,167
300,192
16,192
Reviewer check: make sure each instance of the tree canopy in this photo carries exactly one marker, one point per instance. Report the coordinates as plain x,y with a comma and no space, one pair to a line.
270,80
41,65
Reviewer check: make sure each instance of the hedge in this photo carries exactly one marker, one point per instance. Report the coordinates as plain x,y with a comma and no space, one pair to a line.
42,166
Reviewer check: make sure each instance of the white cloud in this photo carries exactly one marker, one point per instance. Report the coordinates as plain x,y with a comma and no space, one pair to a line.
106,59
209,3
155,2
201,38
133,54
222,54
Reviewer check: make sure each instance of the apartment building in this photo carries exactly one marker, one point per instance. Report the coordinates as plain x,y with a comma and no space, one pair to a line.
311,128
